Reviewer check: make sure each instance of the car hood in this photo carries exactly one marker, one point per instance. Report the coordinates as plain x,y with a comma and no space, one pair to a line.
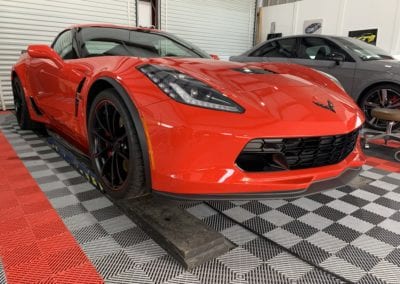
280,93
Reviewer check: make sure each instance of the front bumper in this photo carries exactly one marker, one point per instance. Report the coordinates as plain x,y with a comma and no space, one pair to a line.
342,180
193,154
234,183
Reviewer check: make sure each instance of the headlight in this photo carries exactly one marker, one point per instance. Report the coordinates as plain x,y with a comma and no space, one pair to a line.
332,78
188,90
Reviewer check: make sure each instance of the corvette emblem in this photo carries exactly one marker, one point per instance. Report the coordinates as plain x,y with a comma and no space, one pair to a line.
328,106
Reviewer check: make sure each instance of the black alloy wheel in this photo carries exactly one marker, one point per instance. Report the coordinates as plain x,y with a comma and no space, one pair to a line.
384,96
21,109
115,151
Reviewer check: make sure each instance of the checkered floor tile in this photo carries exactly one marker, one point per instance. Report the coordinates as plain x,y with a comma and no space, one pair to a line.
2,274
345,235
351,231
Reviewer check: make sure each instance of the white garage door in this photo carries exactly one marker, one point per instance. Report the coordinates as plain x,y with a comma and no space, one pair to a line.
24,22
222,27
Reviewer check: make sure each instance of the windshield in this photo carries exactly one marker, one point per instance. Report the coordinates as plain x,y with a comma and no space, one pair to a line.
125,42
364,50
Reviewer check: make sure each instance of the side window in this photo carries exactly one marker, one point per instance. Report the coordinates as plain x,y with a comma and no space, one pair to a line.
316,48
63,46
279,48
168,48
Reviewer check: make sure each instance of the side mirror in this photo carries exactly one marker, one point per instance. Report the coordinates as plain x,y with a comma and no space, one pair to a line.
337,57
214,56
45,52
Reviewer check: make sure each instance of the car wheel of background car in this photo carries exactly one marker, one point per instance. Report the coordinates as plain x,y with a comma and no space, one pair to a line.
384,96
114,147
21,109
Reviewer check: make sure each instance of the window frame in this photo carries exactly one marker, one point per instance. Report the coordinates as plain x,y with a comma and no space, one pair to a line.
77,38
73,43
296,44
348,57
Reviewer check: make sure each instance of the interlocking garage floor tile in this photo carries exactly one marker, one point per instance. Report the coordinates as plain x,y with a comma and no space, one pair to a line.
2,274
351,233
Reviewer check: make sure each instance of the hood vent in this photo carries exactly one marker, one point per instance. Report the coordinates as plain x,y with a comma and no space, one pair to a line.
253,70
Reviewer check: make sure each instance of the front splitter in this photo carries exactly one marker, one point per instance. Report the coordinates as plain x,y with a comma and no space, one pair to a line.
323,185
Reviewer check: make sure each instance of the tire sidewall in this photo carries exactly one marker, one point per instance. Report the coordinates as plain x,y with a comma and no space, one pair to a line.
134,184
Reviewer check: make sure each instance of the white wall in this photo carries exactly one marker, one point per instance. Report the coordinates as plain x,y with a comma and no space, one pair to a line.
282,15
144,14
328,10
376,14
340,17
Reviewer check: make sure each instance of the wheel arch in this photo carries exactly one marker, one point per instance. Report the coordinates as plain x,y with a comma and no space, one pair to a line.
13,74
20,75
19,71
373,85
103,83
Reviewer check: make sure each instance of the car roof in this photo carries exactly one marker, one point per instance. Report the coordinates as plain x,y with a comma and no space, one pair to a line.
105,25
307,35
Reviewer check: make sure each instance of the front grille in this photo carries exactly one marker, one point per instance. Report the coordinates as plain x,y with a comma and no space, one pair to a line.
296,153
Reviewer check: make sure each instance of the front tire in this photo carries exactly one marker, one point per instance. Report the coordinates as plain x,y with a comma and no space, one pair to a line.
114,147
382,96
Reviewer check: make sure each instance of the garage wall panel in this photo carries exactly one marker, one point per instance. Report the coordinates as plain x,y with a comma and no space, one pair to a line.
222,27
282,16
24,22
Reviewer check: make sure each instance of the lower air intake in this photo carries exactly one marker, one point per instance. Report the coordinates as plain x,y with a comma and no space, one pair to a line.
261,155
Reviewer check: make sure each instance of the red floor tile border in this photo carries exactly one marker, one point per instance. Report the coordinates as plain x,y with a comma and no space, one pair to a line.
4,112
35,245
383,164
391,143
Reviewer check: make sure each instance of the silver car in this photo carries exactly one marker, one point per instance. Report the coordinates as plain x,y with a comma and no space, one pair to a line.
369,74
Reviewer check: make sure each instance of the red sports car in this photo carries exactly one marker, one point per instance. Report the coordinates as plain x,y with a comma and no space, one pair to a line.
155,113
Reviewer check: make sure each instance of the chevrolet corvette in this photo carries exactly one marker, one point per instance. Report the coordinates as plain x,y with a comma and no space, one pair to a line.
155,113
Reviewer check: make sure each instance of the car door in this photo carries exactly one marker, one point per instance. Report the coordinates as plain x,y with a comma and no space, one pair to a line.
55,87
280,50
317,52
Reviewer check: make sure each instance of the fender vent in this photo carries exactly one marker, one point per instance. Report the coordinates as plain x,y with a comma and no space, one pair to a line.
35,107
78,95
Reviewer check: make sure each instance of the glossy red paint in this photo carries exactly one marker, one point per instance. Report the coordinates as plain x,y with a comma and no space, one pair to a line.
193,150
214,56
